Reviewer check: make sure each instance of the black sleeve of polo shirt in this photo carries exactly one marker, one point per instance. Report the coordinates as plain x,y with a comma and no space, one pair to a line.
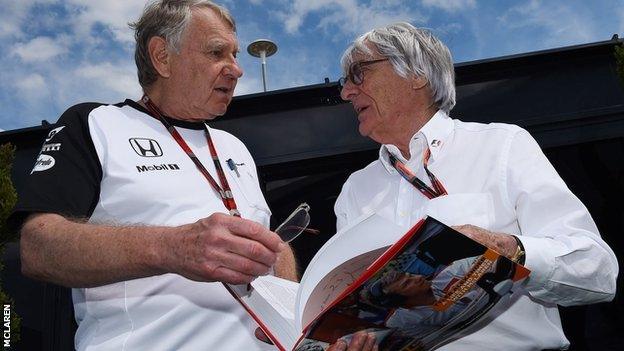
65,178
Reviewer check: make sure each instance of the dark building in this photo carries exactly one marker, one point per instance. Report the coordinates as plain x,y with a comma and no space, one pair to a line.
305,143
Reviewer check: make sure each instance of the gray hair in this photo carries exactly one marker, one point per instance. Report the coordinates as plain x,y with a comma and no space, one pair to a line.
167,19
411,50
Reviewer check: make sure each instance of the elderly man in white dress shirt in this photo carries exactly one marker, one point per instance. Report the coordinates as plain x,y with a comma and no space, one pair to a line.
491,181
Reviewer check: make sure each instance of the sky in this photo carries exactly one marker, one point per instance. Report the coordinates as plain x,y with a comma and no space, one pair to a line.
57,53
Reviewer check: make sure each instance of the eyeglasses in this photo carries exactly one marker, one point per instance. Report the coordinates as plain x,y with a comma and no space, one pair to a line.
295,224
355,74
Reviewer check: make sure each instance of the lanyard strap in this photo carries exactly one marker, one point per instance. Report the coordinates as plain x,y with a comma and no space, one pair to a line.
437,190
224,193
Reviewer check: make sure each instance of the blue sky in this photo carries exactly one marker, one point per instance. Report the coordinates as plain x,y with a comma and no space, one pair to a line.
56,53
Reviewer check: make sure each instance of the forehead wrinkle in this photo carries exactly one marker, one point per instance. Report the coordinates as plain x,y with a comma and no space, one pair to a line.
206,23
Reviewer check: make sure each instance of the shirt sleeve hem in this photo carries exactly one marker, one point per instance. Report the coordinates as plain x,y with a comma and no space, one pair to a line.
540,260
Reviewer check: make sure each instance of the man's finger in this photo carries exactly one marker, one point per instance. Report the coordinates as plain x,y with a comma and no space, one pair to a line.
226,275
339,345
370,342
242,264
255,231
260,335
252,250
358,341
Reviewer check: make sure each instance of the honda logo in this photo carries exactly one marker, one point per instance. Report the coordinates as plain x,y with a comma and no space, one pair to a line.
146,147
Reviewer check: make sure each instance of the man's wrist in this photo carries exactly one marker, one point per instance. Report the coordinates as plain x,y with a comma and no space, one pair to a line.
161,248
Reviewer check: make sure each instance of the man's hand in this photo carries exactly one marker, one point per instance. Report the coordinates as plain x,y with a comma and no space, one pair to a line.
223,248
502,243
361,341
81,255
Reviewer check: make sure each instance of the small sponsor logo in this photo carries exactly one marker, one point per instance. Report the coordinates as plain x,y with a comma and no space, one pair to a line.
51,147
161,167
6,332
146,147
44,162
53,132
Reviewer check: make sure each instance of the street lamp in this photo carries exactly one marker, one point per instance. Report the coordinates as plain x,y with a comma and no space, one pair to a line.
262,48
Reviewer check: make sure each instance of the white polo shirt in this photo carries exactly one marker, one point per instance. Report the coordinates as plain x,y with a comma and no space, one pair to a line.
115,164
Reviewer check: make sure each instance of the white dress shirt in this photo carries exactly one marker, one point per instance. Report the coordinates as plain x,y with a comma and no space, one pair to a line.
497,178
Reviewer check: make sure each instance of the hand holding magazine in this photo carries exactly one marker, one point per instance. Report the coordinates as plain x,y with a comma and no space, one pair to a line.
413,290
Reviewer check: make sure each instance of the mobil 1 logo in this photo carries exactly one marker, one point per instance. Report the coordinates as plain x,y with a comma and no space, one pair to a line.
160,167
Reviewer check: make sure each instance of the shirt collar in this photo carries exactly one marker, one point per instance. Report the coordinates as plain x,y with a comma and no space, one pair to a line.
433,134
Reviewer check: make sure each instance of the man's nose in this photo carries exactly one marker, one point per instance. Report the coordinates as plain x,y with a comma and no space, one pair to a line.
233,69
348,90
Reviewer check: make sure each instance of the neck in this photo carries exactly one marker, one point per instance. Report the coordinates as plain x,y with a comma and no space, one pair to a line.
405,133
169,104
155,95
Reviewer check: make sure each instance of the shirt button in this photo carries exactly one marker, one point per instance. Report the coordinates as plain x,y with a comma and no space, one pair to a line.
402,214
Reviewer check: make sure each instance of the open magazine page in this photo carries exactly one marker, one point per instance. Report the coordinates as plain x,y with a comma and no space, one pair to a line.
271,302
274,302
432,284
369,233
334,283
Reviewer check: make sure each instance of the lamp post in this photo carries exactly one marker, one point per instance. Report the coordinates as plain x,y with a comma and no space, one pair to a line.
262,48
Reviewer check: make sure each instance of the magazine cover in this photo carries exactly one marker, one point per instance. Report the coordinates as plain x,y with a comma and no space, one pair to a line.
419,294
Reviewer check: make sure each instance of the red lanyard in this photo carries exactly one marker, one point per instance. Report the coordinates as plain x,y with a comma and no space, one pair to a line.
225,193
438,188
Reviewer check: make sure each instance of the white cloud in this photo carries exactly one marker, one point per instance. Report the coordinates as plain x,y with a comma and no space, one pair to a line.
113,14
621,17
33,83
40,49
450,5
118,79
248,85
14,13
348,15
32,88
563,23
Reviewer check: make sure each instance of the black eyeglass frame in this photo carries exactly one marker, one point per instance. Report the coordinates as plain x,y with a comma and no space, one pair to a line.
355,74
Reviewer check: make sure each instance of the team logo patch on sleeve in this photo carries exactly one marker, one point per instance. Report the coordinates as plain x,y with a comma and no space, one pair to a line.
43,163
51,147
53,132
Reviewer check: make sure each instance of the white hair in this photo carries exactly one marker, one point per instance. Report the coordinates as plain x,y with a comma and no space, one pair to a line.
166,19
414,51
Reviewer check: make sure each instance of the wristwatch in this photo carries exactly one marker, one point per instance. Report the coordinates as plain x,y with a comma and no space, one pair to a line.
519,255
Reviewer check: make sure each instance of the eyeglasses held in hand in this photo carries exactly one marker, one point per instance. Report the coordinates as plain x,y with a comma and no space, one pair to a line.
295,224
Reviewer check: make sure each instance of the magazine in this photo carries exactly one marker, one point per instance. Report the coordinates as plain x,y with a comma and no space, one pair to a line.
413,289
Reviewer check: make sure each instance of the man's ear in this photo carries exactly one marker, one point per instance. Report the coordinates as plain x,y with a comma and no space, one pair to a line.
160,56
419,82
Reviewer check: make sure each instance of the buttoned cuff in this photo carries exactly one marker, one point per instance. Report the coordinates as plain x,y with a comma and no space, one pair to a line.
540,256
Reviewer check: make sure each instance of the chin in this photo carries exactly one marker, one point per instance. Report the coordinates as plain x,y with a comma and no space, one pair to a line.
213,113
364,131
